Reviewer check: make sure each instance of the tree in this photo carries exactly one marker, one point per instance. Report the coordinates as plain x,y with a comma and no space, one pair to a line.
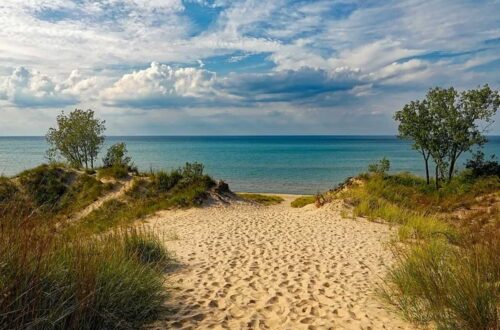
447,123
414,120
78,137
116,156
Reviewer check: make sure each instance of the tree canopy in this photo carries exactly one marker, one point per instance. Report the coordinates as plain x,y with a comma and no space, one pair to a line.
78,138
446,124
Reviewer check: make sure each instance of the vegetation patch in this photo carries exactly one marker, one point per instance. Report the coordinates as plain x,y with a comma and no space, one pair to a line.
50,281
447,270
158,191
303,201
262,199
56,190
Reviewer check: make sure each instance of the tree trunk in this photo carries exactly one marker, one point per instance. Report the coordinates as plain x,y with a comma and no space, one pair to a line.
427,169
437,177
426,160
452,165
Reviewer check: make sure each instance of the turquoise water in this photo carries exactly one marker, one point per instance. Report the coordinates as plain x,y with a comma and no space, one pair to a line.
279,164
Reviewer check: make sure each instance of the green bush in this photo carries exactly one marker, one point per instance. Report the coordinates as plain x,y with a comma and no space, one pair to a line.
381,167
165,181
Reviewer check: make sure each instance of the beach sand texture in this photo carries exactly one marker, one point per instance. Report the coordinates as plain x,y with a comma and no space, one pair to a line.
275,267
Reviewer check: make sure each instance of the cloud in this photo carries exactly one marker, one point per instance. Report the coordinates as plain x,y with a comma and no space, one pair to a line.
252,57
292,85
26,88
161,85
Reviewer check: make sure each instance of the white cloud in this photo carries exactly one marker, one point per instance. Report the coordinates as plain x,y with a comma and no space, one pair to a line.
160,84
32,88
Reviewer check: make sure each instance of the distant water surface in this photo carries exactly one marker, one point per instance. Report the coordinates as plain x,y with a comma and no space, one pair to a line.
275,164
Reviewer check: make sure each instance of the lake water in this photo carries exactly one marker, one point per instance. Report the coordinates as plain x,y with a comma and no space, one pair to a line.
274,164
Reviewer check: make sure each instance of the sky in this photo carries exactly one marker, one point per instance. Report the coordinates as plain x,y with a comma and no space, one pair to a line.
221,67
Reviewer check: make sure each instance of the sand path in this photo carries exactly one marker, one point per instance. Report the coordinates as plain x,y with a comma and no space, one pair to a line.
275,267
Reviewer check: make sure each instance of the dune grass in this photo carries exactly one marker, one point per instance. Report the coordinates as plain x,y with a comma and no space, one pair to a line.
262,199
93,274
113,172
55,190
158,191
448,269
50,282
303,201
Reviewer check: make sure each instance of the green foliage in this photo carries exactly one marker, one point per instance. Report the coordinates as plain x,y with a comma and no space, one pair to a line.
116,155
381,167
446,124
446,274
481,167
57,190
48,281
7,189
164,181
147,196
45,184
452,288
115,172
262,199
78,138
303,201
147,248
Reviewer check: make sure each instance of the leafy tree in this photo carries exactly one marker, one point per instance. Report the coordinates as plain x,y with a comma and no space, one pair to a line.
447,123
415,119
78,137
117,156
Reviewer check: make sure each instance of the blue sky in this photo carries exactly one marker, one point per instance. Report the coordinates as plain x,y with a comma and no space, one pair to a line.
170,67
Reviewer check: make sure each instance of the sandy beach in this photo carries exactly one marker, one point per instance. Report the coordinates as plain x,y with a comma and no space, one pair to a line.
275,267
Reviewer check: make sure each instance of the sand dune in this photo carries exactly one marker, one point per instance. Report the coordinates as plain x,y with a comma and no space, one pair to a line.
275,267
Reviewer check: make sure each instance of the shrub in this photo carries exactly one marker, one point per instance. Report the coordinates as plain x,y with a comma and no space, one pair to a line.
165,181
116,155
192,171
381,167
481,167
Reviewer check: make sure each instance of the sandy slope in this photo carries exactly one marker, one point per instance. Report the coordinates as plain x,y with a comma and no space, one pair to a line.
254,267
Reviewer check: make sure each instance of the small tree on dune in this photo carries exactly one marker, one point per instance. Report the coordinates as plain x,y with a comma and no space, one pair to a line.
78,138
446,124
414,121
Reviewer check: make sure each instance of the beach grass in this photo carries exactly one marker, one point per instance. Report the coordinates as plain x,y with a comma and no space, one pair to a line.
261,199
303,201
101,282
447,270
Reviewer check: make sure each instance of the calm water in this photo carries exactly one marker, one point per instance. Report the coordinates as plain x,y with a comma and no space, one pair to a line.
280,164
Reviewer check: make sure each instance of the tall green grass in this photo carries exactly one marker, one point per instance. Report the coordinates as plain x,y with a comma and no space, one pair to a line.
50,282
450,287
448,268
